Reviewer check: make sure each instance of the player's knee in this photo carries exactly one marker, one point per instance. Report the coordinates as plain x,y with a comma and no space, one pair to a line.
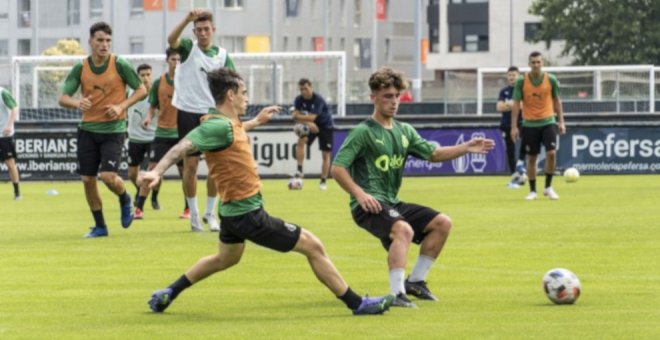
108,177
402,231
88,180
310,245
441,223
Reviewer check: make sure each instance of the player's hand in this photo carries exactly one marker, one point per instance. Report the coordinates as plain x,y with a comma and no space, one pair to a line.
480,145
148,179
267,113
369,203
7,131
146,122
113,111
194,13
313,128
85,103
514,133
562,128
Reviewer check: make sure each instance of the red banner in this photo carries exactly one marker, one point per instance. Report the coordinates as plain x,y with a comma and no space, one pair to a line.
157,5
381,10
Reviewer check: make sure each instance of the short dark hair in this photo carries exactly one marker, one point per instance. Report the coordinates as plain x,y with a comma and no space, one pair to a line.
386,77
304,81
535,54
221,81
100,26
143,67
513,69
169,51
205,16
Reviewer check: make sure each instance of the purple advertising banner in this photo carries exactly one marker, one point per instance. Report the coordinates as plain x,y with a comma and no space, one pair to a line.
492,163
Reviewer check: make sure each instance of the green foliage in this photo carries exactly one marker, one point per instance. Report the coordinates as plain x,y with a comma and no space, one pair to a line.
602,32
50,82
57,285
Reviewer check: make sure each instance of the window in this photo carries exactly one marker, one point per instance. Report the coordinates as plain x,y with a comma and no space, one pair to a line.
232,4
23,47
530,30
95,9
233,44
137,7
285,44
4,10
362,53
136,45
468,37
357,13
4,48
73,17
342,44
329,47
24,14
299,44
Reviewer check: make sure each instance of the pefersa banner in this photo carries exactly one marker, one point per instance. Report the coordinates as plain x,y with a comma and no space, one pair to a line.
491,163
620,150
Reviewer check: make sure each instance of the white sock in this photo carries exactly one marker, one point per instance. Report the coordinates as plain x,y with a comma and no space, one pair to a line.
421,269
396,281
210,204
192,204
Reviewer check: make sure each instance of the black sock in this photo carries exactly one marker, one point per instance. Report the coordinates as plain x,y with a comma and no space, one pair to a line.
98,218
532,185
124,198
140,202
351,299
17,191
179,285
548,180
154,195
300,168
322,180
186,203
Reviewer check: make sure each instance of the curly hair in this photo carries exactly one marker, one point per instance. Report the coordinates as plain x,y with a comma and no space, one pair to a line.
221,81
386,77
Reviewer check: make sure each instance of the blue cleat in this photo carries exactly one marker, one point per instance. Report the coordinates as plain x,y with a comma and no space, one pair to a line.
520,168
160,300
126,214
374,305
97,232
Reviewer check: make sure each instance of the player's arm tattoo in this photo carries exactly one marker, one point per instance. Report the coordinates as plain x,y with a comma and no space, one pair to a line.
174,155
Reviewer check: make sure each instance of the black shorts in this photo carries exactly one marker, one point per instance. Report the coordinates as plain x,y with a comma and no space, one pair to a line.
533,137
137,152
99,149
186,122
7,148
325,139
160,146
260,228
380,225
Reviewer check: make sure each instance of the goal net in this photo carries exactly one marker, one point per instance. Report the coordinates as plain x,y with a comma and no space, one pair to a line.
271,78
622,88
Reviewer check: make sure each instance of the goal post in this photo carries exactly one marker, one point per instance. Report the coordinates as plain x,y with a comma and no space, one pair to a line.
272,78
614,83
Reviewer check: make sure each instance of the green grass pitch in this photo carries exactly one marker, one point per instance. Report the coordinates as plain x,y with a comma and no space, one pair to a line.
57,285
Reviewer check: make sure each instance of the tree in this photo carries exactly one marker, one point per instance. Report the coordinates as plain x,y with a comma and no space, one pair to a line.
50,82
602,32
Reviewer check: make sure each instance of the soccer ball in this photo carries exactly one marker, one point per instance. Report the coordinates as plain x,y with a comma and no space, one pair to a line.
561,286
571,175
301,130
519,178
295,183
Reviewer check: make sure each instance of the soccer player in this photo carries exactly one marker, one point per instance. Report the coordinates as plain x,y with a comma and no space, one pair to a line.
102,77
140,136
223,139
8,115
160,98
193,99
504,105
310,108
369,166
539,93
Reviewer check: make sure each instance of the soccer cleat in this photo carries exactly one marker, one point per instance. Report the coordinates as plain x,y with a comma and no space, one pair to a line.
195,224
160,300
155,205
298,174
531,196
18,198
138,215
97,232
513,185
185,214
212,221
126,214
401,300
323,186
419,290
374,305
551,194
520,167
